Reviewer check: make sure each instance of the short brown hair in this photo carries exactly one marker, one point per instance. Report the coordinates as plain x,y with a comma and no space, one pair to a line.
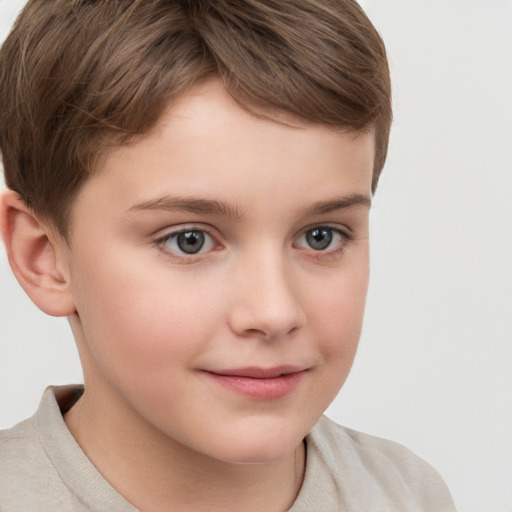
79,77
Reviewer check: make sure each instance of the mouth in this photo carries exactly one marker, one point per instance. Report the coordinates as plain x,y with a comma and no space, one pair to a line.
257,383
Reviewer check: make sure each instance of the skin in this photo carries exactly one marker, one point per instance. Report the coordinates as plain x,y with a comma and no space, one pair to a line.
151,322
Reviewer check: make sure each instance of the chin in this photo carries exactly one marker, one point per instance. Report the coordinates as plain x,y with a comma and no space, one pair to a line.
258,445
257,454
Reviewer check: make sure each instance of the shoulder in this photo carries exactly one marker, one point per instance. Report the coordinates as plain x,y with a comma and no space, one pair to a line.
376,453
21,439
26,470
43,468
375,472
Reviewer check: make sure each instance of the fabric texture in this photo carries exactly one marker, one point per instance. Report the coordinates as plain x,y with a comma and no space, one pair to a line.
42,468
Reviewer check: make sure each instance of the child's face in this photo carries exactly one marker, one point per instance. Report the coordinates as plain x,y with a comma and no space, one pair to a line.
219,250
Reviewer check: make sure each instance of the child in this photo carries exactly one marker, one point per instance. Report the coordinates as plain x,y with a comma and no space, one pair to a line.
189,183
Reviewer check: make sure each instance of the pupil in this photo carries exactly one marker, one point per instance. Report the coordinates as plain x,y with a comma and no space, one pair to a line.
190,242
319,238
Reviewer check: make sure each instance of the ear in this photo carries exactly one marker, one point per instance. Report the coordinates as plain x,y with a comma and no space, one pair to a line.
37,255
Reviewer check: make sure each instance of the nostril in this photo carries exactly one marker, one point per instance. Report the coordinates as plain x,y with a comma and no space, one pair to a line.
255,332
293,330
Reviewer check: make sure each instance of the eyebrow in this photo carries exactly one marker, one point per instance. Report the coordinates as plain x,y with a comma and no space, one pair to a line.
339,203
213,207
189,204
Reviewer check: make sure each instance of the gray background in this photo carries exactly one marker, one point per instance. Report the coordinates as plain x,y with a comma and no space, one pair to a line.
434,368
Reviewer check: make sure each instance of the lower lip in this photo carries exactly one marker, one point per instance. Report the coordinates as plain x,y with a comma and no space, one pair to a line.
260,389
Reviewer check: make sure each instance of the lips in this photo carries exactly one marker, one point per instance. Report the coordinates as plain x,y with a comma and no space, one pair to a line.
259,383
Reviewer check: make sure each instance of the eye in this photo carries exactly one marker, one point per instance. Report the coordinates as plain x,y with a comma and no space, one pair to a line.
189,242
322,238
319,238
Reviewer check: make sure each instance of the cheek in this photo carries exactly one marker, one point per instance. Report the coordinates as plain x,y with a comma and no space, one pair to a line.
338,303
338,327
141,323
336,313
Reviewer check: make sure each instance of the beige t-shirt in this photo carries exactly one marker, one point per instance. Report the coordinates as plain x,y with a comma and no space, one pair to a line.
43,469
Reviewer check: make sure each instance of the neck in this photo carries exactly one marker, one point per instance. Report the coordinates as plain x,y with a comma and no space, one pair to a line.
154,472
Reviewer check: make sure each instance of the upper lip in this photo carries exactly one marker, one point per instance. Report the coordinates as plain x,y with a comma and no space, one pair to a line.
257,372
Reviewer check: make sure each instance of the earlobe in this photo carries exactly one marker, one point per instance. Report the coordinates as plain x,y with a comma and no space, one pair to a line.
37,257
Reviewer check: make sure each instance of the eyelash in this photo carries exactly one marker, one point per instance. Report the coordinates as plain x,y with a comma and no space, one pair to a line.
345,239
184,258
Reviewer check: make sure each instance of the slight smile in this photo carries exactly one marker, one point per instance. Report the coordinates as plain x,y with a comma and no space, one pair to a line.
260,383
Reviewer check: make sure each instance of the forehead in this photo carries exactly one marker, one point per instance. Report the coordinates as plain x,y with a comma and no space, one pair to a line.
205,145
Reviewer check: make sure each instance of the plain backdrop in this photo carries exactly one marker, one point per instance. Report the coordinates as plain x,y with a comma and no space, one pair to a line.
434,367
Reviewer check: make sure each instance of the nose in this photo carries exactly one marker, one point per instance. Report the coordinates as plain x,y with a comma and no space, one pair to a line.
265,299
